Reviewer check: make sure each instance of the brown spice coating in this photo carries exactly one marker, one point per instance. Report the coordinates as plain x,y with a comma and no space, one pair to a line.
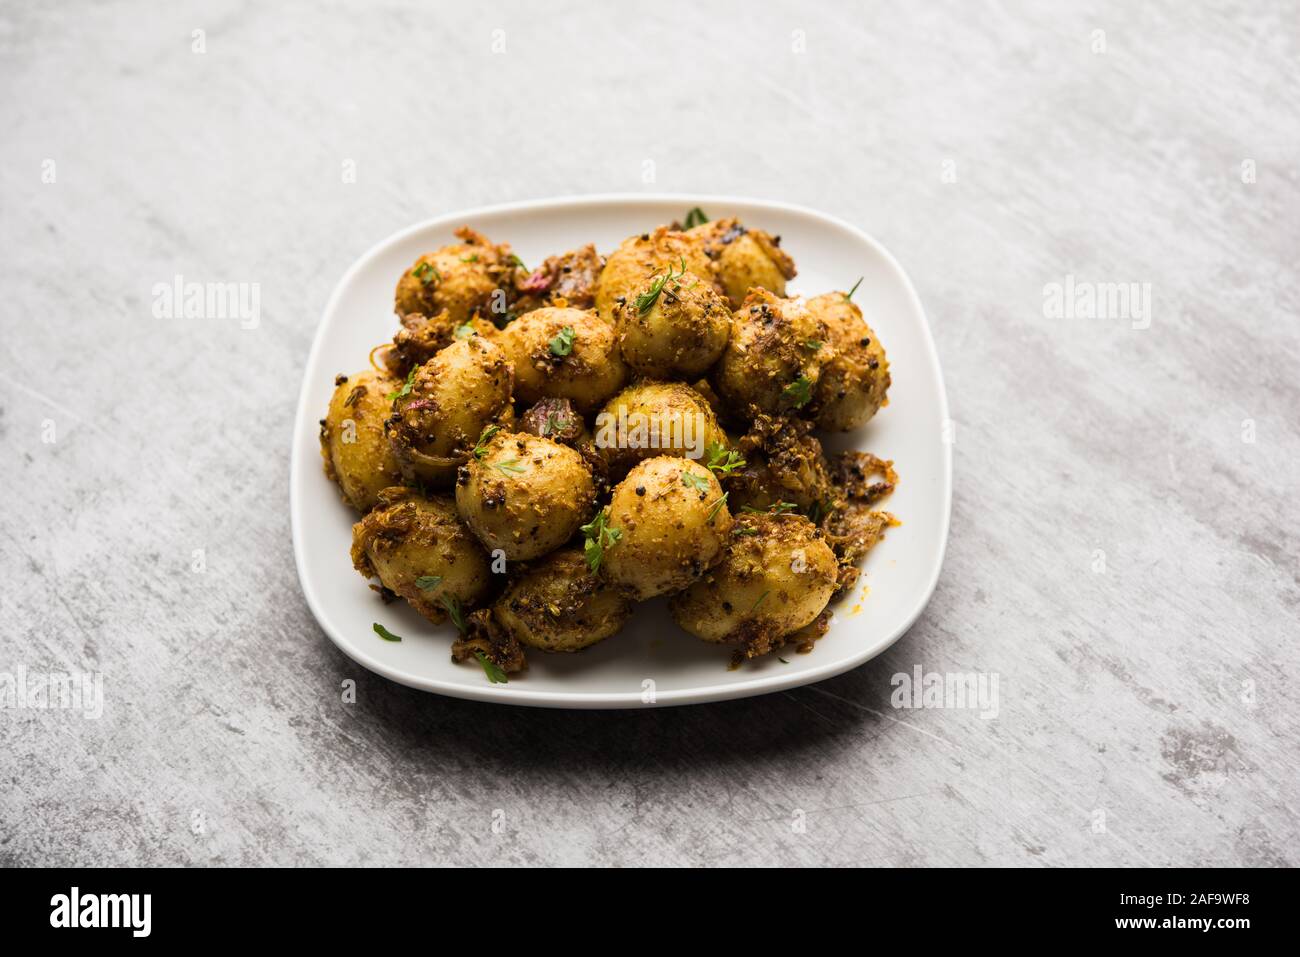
408,536
557,604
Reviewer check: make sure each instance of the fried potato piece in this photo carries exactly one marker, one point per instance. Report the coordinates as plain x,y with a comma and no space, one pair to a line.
352,441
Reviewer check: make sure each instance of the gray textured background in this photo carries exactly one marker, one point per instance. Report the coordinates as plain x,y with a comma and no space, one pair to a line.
1160,690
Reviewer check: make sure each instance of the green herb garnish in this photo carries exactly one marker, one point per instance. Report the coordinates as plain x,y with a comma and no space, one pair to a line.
553,424
813,345
405,390
491,669
645,302
385,634
426,273
509,465
428,582
599,536
848,296
713,512
745,531
472,258
798,392
562,344
782,660
776,509
480,448
453,609
724,461
516,261
695,218
697,482
761,599
464,330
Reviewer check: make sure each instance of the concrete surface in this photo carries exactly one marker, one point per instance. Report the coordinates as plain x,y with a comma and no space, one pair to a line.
1123,549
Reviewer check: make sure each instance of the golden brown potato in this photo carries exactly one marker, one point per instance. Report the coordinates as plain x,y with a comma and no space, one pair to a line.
669,519
776,577
773,361
423,337
557,604
419,550
674,328
631,267
855,372
524,494
460,279
566,354
452,398
746,258
648,419
352,441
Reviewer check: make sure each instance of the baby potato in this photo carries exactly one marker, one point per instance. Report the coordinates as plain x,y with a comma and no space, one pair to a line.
524,494
452,398
746,258
419,550
423,337
674,329
667,521
773,360
649,419
565,354
855,372
633,266
352,441
557,604
459,279
777,576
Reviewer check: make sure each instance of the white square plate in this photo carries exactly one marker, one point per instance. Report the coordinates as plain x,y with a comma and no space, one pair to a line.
651,662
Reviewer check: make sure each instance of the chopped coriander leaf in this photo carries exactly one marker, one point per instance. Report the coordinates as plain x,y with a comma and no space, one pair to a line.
385,634
509,465
453,609
724,461
554,424
781,507
713,512
480,448
744,531
599,536
848,296
798,392
697,482
405,390
812,345
645,302
516,261
472,258
426,273
428,582
562,344
695,217
491,669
